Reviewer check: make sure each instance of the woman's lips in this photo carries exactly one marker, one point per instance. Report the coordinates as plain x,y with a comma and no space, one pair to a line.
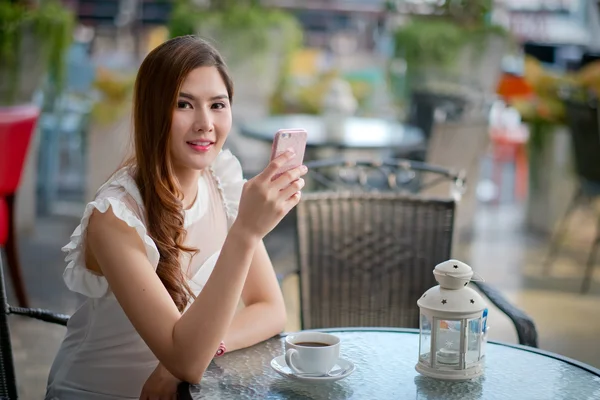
201,146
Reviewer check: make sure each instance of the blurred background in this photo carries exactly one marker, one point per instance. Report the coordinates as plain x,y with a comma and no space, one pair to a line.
502,91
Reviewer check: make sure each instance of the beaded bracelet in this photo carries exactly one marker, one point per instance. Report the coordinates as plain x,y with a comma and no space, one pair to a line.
221,350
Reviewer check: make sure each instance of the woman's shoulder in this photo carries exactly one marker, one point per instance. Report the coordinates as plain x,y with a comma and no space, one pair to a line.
122,186
120,196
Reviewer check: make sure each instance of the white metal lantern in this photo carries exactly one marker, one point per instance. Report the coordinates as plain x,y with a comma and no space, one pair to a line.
453,325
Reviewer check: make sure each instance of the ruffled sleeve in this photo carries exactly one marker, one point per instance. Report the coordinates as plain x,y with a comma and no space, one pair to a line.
227,171
76,276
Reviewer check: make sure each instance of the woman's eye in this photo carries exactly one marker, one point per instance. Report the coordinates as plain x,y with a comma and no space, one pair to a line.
183,104
218,106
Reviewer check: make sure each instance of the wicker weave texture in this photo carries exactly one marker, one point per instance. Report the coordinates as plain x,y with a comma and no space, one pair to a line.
365,258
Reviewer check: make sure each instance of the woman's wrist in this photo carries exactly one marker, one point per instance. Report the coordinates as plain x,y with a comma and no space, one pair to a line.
164,371
243,235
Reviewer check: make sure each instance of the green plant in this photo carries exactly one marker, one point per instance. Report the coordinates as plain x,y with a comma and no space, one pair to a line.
51,25
243,24
438,42
467,13
433,43
542,107
244,31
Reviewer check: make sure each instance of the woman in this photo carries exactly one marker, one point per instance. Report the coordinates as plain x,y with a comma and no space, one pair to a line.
172,242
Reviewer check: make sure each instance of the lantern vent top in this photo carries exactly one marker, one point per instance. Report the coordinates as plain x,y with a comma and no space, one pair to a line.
452,295
453,274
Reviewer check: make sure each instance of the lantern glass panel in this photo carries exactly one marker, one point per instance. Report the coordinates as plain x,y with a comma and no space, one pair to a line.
473,341
447,344
425,337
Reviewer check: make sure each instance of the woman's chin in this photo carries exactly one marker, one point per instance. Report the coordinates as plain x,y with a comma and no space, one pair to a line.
198,161
202,164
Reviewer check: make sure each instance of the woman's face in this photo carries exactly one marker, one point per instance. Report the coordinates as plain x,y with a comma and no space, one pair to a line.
201,120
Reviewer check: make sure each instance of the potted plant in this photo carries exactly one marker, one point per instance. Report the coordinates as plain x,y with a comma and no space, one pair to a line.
256,41
34,36
451,47
551,172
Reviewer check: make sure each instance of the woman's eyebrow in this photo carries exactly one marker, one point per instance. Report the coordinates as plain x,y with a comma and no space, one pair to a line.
192,97
187,96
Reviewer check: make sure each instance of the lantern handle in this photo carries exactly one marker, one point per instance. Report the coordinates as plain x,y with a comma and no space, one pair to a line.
477,278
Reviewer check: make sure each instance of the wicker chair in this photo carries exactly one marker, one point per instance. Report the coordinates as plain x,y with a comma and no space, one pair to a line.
583,117
8,384
366,256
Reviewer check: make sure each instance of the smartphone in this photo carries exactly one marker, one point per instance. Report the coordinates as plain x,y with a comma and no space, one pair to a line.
285,139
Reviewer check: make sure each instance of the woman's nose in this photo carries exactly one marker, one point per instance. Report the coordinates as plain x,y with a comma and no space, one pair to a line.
203,122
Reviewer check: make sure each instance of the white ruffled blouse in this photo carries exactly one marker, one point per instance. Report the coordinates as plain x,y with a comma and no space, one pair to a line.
102,357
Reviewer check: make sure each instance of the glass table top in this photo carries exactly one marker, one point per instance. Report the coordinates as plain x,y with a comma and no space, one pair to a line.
385,369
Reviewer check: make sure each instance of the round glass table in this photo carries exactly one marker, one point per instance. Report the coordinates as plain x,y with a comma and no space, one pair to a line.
385,369
352,133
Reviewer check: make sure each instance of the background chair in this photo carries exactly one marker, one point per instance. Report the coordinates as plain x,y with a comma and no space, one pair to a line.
365,256
63,127
459,145
390,175
16,128
584,124
8,384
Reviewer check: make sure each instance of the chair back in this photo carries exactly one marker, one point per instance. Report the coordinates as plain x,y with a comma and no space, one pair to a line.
387,175
8,385
16,128
365,258
583,122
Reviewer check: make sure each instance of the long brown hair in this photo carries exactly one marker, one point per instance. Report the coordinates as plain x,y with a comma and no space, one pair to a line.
157,86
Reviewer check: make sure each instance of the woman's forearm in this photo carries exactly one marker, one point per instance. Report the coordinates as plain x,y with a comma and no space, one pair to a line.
199,331
253,324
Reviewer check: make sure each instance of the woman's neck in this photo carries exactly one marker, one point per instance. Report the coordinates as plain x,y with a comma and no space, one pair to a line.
188,180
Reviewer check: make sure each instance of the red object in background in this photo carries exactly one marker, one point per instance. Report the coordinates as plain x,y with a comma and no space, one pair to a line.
510,147
16,128
3,221
511,86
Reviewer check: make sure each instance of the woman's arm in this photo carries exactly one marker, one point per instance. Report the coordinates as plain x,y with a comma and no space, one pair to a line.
185,344
264,313
263,317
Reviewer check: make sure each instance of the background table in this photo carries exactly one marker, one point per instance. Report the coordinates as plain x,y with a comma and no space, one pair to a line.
357,133
385,369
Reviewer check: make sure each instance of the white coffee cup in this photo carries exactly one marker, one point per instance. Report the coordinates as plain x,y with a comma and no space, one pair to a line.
312,352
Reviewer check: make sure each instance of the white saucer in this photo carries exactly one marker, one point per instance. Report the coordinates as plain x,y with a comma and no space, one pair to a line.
280,366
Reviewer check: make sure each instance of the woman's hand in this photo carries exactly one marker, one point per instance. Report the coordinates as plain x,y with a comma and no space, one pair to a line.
161,385
265,201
